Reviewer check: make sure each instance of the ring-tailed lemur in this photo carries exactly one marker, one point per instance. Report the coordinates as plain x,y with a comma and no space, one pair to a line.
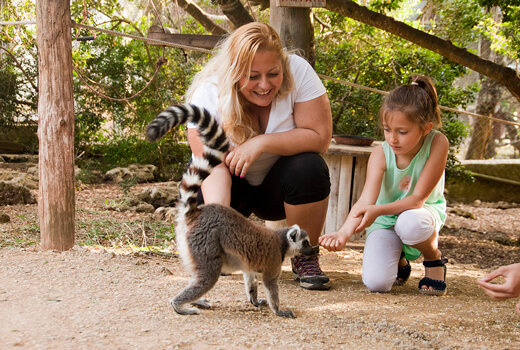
213,238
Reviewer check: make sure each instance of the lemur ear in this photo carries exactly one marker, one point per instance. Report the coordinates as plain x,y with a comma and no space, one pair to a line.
293,232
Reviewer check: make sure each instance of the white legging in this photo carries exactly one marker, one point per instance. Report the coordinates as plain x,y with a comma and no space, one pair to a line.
383,247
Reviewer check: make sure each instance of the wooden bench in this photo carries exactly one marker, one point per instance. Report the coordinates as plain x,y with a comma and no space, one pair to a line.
348,168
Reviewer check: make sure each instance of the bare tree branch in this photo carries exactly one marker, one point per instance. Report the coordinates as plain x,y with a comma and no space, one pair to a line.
200,16
235,11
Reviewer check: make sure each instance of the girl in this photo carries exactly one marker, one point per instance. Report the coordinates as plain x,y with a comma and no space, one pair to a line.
275,110
402,205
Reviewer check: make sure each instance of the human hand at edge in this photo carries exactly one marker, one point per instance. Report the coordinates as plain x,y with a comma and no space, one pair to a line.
509,289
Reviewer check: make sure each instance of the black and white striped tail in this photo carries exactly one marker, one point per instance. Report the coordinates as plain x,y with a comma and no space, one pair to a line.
215,142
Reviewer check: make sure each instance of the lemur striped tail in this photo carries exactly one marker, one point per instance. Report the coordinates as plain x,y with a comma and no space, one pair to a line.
215,142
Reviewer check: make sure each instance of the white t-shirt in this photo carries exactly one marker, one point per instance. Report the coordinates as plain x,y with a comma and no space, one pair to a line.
307,86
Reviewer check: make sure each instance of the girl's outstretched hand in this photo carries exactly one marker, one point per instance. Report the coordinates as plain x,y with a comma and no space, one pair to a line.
334,241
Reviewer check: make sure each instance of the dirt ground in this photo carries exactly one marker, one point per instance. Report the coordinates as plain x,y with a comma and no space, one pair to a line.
95,298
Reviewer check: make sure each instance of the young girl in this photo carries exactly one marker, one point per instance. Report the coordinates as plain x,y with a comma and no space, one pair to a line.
402,205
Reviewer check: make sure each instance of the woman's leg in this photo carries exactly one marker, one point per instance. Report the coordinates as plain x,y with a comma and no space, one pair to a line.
310,217
297,187
380,258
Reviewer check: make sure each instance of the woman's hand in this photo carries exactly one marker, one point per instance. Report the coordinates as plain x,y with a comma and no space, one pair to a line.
240,158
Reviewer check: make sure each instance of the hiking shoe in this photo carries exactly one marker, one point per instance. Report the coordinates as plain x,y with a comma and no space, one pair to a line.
306,270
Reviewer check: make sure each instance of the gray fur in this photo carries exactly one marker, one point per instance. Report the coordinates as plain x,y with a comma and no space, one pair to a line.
219,239
212,239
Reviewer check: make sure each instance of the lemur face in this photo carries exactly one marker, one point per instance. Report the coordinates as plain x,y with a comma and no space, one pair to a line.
299,241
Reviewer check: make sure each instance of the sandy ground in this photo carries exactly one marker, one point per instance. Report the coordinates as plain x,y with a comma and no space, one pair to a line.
90,298
83,299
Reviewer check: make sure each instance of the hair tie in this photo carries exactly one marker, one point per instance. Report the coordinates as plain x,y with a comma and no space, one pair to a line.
414,83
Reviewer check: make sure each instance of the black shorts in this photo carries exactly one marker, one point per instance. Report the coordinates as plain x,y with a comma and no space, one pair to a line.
299,179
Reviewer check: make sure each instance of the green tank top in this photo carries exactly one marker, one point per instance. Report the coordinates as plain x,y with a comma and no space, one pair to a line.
400,183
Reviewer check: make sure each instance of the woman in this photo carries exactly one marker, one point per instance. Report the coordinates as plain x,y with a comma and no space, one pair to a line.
276,112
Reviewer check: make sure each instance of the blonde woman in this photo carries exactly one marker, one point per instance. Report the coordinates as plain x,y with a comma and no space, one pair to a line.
276,112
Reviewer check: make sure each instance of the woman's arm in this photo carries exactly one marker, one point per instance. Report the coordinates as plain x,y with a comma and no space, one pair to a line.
313,133
216,188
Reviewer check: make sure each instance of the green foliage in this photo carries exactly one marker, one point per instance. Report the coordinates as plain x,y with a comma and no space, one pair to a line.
384,62
169,154
127,184
113,66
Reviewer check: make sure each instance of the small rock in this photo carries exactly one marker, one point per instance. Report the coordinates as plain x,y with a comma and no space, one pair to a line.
4,218
14,194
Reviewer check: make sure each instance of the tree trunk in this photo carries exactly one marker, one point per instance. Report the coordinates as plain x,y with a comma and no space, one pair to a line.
487,101
56,200
294,25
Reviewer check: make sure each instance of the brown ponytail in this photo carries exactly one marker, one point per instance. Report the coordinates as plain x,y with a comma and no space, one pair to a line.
418,100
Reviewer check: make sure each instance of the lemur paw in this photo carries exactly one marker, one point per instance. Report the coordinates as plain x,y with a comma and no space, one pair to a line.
259,303
182,310
287,313
203,303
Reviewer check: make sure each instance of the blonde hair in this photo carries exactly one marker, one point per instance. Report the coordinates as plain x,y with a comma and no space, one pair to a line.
417,100
232,62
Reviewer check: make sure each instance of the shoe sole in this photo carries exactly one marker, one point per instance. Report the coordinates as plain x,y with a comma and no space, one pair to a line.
314,286
439,293
321,280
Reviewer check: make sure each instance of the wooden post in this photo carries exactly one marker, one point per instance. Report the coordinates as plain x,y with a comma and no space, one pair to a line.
294,26
56,199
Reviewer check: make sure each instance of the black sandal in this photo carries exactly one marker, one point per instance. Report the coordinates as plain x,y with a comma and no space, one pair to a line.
403,272
439,287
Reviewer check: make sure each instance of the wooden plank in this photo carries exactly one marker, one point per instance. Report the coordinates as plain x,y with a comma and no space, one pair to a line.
195,40
334,170
345,190
360,174
350,150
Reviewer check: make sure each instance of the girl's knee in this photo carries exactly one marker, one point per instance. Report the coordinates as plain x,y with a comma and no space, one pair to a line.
379,284
414,226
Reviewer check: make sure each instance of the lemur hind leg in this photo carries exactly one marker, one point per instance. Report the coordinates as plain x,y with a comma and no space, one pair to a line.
252,289
271,289
199,285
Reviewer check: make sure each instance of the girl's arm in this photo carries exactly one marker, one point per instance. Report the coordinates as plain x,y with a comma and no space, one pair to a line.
216,188
313,133
335,241
430,176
